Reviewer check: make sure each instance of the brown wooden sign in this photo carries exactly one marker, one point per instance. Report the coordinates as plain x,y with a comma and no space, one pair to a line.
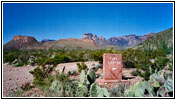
112,66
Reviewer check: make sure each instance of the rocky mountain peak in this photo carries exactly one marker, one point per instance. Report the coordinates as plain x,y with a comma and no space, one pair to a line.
87,36
102,38
24,38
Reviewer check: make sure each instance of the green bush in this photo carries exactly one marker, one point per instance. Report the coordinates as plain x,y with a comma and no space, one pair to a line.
38,76
81,66
98,56
10,57
128,58
40,73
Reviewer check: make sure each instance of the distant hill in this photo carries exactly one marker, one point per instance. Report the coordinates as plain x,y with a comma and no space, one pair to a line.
46,40
72,44
23,42
161,40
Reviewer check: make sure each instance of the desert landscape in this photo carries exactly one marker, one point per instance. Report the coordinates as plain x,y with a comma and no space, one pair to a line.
88,50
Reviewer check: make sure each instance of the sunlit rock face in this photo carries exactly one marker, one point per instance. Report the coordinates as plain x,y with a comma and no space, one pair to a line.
129,40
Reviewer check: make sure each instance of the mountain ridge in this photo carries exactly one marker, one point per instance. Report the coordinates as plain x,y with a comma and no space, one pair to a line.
126,40
88,41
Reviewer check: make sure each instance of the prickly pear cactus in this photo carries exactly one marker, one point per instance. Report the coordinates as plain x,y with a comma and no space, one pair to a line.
157,77
96,91
82,91
89,87
169,85
105,92
91,76
149,88
138,90
161,82
82,77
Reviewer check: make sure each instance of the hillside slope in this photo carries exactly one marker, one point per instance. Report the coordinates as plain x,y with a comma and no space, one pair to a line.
162,40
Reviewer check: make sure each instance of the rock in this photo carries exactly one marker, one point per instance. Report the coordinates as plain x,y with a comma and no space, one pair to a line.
99,66
99,71
93,64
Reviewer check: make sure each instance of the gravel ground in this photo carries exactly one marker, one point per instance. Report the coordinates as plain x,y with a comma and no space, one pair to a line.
14,77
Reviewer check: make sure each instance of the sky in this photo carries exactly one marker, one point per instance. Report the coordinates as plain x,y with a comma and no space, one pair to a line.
72,20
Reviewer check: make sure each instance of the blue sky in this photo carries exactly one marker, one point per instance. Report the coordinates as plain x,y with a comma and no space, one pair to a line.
71,20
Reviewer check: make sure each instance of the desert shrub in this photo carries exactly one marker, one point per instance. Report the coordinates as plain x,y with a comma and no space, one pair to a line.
145,62
10,56
38,76
26,86
134,73
129,58
32,60
37,57
81,66
76,55
17,93
17,63
40,73
98,55
150,67
61,59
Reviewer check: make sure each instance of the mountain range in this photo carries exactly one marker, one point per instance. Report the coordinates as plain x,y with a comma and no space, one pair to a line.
123,41
88,41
